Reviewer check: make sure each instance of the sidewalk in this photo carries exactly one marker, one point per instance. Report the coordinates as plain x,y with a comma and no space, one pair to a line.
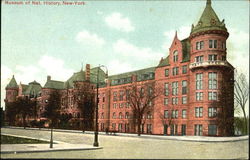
162,137
57,146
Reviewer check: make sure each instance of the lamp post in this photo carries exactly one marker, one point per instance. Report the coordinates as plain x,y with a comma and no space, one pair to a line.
51,131
96,144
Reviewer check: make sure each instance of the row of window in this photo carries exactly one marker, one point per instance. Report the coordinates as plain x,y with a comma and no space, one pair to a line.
175,71
212,129
175,88
212,112
211,57
211,96
212,44
212,80
127,116
121,105
175,100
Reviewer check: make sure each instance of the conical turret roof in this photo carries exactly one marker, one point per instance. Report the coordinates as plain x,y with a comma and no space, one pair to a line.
208,21
12,83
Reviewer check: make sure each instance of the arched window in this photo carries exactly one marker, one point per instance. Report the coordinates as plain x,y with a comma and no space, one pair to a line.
175,57
114,116
149,115
120,115
127,115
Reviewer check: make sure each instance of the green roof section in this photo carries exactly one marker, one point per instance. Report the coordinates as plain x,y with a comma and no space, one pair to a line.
33,89
24,88
185,50
93,75
208,21
164,62
52,84
78,76
12,83
142,74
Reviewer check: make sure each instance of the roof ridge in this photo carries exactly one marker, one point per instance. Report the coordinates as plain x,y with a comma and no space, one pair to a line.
132,71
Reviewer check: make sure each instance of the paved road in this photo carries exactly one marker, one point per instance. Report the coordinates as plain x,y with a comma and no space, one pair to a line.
133,147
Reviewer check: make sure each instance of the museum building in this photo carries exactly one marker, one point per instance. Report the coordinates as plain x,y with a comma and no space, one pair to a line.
192,76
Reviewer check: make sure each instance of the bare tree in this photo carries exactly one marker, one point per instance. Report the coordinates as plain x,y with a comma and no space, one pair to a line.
241,95
52,108
84,96
167,118
225,104
141,96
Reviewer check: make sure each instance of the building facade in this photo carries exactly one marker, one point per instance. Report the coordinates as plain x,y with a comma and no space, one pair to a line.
191,75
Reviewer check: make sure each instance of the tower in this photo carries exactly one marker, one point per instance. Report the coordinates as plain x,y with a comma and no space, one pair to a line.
208,68
11,90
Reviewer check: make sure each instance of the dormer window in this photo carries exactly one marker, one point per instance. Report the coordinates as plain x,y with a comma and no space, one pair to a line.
175,58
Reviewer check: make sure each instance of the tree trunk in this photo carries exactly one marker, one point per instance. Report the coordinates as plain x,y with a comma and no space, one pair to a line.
139,127
245,119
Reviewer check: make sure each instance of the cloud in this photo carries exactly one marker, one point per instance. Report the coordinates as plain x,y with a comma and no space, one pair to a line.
182,33
89,39
238,51
119,22
116,66
6,75
125,48
55,67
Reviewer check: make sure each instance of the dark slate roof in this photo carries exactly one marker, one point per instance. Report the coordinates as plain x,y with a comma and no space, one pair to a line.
12,83
185,50
143,74
24,88
164,62
78,76
33,88
54,84
208,21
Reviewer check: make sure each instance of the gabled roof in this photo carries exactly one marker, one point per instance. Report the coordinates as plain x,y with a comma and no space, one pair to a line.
54,84
33,88
208,21
12,83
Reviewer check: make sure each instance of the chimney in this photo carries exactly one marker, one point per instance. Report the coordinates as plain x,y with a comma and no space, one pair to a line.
48,78
87,72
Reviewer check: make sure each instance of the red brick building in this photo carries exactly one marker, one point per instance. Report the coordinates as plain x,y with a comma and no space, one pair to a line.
191,76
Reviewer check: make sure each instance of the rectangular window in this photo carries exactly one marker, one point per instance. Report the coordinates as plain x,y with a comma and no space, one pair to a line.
166,114
115,96
212,112
166,89
120,127
183,129
212,129
184,87
223,45
212,80
199,81
199,96
184,69
199,59
113,126
175,71
121,96
198,112
212,95
199,45
184,113
198,129
174,100
184,100
174,88
166,72
212,57
114,105
212,43
165,101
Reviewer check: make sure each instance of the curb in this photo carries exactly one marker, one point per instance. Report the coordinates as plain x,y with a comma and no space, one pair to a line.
181,138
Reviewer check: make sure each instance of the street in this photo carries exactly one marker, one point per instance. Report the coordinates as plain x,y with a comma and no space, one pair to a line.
133,147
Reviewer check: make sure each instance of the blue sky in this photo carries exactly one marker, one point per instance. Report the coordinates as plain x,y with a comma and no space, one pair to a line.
41,40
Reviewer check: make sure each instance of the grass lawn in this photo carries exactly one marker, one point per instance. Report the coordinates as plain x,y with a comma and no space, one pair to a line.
17,140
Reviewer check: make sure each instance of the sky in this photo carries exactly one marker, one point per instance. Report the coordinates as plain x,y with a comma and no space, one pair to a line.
40,40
